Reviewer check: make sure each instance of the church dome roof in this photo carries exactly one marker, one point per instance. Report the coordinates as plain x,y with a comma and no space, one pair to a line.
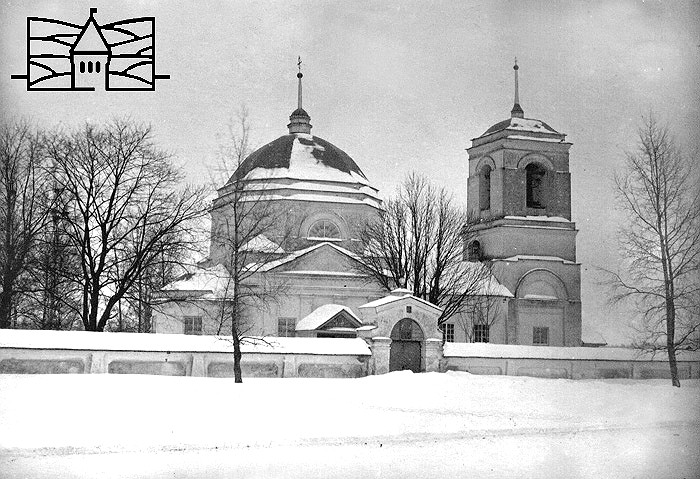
301,156
521,124
303,167
300,112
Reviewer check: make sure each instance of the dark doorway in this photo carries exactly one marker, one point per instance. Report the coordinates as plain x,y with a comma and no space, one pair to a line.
405,353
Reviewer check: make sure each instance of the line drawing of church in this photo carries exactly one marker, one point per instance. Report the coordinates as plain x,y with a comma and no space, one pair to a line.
519,186
119,56
89,57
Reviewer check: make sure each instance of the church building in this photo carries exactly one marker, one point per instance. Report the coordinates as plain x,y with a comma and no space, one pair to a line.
324,200
519,188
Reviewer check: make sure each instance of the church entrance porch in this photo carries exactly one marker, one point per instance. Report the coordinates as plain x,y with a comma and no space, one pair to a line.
405,352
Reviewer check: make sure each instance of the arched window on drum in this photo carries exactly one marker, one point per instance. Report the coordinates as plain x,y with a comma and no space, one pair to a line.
324,230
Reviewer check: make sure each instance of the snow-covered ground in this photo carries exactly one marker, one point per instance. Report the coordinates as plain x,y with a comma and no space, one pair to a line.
395,425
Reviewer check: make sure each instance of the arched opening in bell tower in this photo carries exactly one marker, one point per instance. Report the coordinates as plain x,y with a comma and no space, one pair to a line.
485,188
534,174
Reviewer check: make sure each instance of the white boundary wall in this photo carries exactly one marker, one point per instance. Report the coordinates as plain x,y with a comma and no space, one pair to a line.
565,362
78,352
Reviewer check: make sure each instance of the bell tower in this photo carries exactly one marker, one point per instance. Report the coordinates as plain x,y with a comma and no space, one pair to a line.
519,189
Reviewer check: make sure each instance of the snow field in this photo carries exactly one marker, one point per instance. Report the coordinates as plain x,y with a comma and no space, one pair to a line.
399,424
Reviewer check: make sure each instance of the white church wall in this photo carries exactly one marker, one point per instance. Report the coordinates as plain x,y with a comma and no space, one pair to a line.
505,241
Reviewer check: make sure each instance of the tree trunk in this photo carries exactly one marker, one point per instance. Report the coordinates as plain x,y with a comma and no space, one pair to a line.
237,355
670,342
6,308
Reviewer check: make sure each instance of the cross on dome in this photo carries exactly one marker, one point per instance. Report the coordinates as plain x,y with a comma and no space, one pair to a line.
299,120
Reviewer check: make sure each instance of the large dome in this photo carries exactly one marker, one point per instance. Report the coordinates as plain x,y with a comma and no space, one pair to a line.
303,167
301,156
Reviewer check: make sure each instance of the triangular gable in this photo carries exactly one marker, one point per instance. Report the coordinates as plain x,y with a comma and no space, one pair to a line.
341,320
321,258
90,39
393,300
327,317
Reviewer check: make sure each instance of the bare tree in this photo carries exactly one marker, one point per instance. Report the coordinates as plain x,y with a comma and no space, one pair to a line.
124,208
417,243
480,310
54,303
660,194
134,312
248,219
24,209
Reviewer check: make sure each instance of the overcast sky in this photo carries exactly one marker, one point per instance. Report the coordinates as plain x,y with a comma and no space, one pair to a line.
402,86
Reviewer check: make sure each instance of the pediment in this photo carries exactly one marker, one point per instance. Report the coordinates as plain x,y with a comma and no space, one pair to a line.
341,320
323,259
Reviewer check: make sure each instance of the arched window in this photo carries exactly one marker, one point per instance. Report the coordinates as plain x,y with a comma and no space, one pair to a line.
324,229
97,67
474,251
89,67
534,174
485,188
82,67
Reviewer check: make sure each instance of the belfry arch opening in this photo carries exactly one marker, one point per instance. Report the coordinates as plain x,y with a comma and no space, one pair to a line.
485,188
535,188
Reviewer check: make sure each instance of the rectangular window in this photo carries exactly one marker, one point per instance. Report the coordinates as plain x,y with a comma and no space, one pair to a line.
286,327
193,325
448,332
481,333
540,336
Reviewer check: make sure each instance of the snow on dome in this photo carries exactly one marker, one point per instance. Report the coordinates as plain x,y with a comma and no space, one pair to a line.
521,124
303,167
301,156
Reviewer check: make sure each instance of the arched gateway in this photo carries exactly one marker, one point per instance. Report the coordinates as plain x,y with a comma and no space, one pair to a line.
405,353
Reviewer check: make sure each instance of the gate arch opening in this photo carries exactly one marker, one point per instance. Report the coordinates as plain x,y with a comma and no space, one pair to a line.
406,340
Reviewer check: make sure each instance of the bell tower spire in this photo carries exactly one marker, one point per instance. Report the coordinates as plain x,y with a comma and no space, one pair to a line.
299,121
517,111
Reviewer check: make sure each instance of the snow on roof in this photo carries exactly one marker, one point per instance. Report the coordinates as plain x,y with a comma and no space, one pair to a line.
213,280
262,245
525,257
534,138
321,315
302,156
489,350
297,254
481,280
392,298
293,184
83,340
492,287
557,219
522,124
317,197
344,274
